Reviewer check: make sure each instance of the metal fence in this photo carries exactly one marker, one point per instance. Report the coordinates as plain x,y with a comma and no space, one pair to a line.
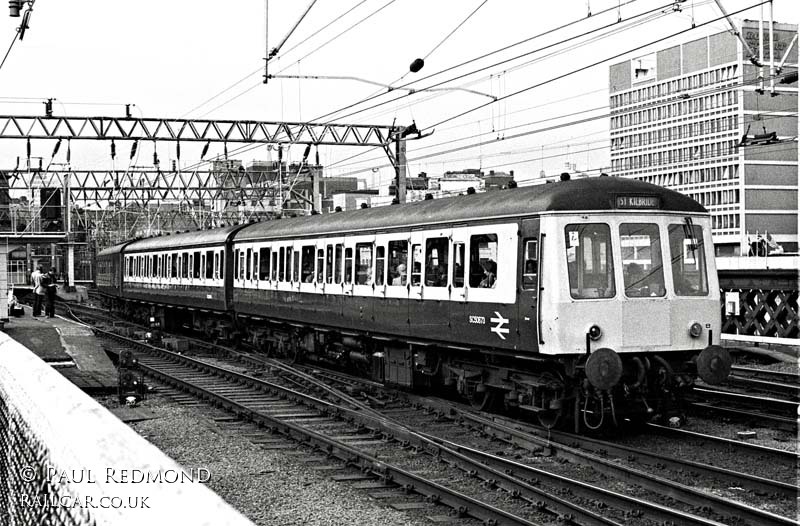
57,445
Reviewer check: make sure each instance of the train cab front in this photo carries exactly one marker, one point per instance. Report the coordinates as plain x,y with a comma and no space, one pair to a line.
636,305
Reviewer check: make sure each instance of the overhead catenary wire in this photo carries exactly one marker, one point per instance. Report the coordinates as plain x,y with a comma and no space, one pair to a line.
593,64
248,148
732,84
480,57
311,35
605,60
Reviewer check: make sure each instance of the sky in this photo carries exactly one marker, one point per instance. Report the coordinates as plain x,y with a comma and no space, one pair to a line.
205,60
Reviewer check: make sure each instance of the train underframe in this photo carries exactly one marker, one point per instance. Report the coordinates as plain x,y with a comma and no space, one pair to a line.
575,392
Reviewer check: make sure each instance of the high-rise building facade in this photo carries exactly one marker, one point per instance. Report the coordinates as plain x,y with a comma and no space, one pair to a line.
697,118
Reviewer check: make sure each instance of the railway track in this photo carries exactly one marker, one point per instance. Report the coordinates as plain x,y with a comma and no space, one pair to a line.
766,410
763,380
612,458
490,470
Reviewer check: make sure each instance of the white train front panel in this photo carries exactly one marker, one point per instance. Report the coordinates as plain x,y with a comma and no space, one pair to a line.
632,282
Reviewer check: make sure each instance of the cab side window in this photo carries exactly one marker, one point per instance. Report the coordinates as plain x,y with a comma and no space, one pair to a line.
530,263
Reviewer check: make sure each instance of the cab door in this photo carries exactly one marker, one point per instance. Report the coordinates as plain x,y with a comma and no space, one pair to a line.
529,284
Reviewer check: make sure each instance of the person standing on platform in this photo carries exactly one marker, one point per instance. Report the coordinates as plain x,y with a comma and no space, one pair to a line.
38,290
52,288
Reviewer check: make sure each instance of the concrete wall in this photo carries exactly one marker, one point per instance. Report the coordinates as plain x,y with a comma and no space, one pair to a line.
761,174
775,224
669,62
619,76
695,55
722,48
771,200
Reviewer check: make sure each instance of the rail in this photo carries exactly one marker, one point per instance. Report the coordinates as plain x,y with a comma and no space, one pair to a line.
67,461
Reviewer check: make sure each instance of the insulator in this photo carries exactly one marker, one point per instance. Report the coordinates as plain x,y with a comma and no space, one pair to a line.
57,146
205,149
28,148
225,146
69,151
306,152
133,148
113,150
178,149
317,156
417,65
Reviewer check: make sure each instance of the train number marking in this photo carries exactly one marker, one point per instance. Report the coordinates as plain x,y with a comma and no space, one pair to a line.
500,328
478,320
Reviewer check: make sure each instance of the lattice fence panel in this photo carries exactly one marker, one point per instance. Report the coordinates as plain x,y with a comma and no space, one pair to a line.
772,313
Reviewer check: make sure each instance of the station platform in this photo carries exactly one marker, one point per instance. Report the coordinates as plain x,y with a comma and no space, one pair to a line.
69,347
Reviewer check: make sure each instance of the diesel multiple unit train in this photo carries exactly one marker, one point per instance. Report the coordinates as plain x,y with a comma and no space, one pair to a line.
585,302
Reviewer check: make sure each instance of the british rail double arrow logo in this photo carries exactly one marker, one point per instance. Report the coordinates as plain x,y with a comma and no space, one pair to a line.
500,328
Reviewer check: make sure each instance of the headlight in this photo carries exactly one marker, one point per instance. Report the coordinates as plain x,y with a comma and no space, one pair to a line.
695,330
595,332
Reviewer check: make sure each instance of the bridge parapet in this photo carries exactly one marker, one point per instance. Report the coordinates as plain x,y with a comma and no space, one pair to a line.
66,460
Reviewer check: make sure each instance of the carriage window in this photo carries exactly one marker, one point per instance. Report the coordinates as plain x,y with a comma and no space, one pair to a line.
282,264
209,264
307,273
216,265
529,264
339,261
483,261
416,264
348,265
380,263
296,266
642,266
274,266
320,265
255,265
398,259
153,266
436,261
263,269
329,265
264,258
459,250
173,271
248,261
184,265
196,265
364,264
687,250
589,261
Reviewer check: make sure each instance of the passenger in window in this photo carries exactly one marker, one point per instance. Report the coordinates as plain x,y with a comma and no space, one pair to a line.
438,276
400,275
489,274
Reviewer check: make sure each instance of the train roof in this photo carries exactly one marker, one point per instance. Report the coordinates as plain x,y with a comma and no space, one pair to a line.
578,195
116,249
195,238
